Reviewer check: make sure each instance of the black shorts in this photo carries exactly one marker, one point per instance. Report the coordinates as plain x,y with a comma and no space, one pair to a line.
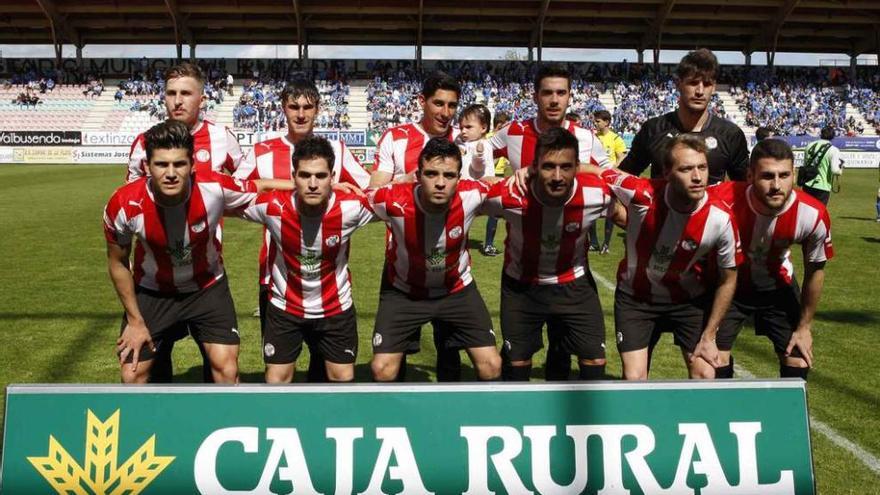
636,321
208,313
263,297
777,314
572,312
463,316
334,338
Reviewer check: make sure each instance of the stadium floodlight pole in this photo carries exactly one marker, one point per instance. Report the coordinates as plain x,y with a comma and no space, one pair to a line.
655,31
299,33
539,28
56,23
419,36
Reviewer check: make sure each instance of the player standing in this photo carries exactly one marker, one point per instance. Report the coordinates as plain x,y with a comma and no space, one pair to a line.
310,286
177,274
727,150
546,277
428,275
821,163
272,159
681,247
773,216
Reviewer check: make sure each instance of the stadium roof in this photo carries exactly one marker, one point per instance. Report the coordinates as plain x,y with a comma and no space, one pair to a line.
818,26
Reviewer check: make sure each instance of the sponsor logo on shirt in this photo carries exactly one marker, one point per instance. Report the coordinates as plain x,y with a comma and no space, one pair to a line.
310,265
550,241
436,261
181,255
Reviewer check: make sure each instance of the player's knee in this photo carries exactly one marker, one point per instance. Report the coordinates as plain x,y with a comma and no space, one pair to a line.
700,370
280,373
632,373
129,376
340,373
490,367
384,370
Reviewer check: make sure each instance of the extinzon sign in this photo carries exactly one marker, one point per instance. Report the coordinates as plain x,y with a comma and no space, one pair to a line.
726,438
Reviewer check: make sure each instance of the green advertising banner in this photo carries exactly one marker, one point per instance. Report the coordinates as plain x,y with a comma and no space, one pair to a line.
730,437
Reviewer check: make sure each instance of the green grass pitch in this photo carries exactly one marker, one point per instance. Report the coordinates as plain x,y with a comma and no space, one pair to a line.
59,315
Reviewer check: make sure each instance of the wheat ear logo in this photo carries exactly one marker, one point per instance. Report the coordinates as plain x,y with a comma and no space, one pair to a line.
101,475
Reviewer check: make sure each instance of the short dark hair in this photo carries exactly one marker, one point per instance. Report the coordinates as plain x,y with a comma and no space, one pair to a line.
439,147
313,147
480,112
827,133
555,139
500,118
186,69
437,81
689,140
300,87
551,71
763,132
168,135
771,148
602,115
701,62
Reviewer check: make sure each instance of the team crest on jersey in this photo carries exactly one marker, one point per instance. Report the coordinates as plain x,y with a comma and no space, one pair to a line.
269,350
711,142
309,264
198,227
203,155
436,261
332,240
572,227
689,245
455,233
181,255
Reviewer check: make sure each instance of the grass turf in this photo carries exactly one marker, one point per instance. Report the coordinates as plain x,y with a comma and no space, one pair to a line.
59,315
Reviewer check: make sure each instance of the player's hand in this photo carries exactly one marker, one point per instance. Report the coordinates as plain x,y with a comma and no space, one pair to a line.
134,337
491,179
348,188
802,340
708,351
521,180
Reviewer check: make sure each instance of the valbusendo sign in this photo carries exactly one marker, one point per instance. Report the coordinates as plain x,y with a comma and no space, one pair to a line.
748,437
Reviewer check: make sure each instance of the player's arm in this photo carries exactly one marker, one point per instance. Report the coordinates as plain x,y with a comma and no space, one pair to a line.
135,334
137,158
802,338
706,348
264,185
234,155
836,167
383,171
619,151
639,156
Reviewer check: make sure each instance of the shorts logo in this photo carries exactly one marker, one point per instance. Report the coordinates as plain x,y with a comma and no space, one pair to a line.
507,345
203,155
377,339
235,330
492,332
711,143
689,245
349,351
619,337
572,227
455,233
268,350
198,227
332,240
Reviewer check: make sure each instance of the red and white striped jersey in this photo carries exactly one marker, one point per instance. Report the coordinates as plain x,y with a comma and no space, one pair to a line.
310,277
767,240
547,244
215,148
516,142
400,146
177,250
427,255
273,159
671,256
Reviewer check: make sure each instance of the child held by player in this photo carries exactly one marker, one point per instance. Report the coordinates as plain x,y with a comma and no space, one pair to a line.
476,152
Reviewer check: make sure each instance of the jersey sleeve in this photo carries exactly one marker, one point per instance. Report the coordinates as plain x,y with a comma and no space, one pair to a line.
237,193
728,252
351,171
380,199
629,189
116,226
639,156
247,169
365,213
598,156
234,155
817,246
499,142
619,146
137,160
258,210
385,153
738,167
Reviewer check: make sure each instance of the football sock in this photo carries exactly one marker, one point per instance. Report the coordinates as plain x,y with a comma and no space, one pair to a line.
591,371
725,371
516,373
793,372
558,365
448,365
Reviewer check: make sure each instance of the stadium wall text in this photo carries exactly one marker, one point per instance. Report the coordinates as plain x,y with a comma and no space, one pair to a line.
613,438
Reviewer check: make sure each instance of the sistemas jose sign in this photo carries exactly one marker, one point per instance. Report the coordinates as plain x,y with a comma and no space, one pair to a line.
749,437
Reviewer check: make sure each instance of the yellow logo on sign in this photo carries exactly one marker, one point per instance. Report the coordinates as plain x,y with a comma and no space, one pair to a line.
100,475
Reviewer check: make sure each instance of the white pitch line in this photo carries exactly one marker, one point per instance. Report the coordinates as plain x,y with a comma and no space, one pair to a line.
868,459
